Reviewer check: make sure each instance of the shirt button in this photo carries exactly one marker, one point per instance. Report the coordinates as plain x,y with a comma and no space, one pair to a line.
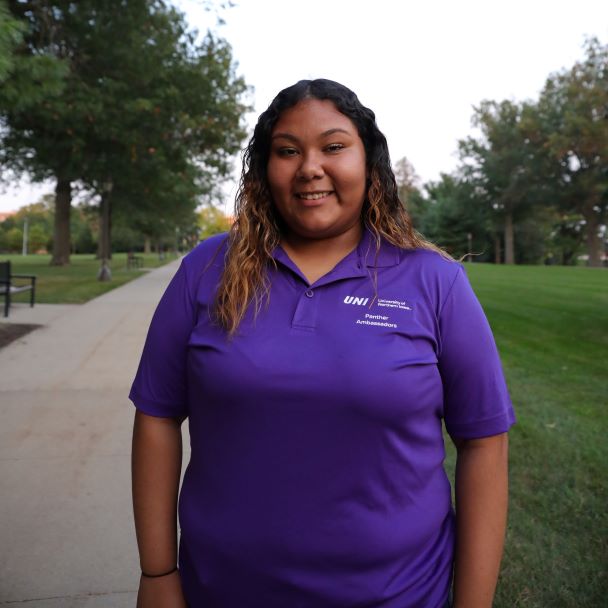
310,293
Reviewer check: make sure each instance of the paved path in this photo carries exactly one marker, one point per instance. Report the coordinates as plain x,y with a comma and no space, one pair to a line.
66,529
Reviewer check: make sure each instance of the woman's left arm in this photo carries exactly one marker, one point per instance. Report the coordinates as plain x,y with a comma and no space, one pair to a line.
481,517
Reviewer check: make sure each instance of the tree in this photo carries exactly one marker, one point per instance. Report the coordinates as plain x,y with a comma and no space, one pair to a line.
210,221
566,238
409,187
14,239
43,134
170,143
25,79
37,238
10,36
140,97
500,164
571,122
456,217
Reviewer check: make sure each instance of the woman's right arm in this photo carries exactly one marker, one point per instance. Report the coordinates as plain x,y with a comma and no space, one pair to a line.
156,469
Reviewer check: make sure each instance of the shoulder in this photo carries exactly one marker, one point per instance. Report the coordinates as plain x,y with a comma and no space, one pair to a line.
204,265
426,276
209,252
431,264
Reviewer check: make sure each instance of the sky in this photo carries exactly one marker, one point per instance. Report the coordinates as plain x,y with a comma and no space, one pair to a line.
420,65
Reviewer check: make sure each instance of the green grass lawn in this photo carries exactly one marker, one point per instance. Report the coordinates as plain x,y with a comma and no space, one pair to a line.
77,282
551,326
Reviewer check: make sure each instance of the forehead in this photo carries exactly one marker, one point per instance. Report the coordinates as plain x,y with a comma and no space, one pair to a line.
313,117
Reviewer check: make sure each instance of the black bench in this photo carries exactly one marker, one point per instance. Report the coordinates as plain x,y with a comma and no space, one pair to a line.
134,261
7,289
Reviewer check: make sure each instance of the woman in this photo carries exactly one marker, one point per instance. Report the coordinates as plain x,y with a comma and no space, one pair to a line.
315,352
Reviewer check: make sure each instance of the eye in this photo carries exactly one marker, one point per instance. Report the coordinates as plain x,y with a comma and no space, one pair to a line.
334,147
286,152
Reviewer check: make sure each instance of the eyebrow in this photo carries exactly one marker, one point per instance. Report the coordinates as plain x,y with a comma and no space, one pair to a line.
291,137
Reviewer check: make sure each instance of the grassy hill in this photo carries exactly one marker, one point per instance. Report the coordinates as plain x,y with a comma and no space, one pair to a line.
551,326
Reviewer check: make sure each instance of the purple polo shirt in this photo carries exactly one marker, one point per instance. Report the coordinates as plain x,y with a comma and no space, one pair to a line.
316,477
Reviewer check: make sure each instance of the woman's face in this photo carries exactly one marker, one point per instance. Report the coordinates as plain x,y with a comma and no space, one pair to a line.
316,171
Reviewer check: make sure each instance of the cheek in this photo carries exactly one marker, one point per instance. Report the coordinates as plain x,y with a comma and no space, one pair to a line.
277,177
353,175
356,180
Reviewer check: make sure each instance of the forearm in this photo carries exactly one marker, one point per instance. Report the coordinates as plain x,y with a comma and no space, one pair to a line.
481,514
156,468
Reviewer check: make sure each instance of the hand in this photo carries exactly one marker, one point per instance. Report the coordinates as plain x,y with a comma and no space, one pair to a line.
162,592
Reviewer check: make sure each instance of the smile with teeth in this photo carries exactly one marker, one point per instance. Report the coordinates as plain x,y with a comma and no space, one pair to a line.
312,196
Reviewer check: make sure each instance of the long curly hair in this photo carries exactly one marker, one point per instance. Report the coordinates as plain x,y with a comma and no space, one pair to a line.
257,227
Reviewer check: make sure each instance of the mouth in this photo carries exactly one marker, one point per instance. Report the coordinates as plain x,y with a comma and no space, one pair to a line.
313,196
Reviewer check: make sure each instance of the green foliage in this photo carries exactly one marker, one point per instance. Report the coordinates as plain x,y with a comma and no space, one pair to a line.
40,217
14,239
37,214
532,186
146,117
170,145
30,80
453,213
500,164
569,123
210,221
37,238
566,239
83,229
10,37
126,239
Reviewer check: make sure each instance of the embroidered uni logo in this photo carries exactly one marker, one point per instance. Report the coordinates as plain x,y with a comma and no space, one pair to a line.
356,301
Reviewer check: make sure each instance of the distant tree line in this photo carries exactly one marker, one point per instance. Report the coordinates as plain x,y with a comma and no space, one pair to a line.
532,186
119,100
33,224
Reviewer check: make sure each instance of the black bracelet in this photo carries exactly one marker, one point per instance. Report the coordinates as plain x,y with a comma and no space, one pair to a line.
159,575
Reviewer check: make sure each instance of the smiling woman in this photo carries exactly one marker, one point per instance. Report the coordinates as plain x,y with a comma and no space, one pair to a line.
316,352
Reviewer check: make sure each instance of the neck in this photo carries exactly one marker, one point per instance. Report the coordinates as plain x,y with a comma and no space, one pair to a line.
316,257
340,245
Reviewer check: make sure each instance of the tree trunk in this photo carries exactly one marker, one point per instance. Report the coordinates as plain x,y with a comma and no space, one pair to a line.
105,247
509,240
147,245
61,232
594,243
497,256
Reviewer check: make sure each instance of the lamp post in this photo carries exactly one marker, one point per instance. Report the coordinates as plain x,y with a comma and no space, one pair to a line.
25,230
105,274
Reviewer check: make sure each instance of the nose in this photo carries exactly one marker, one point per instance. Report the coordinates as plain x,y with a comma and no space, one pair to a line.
310,167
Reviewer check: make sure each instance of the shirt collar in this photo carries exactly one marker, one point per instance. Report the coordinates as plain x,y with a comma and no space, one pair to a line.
364,256
388,255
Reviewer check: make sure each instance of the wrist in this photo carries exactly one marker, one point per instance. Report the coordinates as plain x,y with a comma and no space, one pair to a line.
159,574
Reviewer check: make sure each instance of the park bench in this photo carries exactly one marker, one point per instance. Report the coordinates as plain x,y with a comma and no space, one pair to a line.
134,261
7,289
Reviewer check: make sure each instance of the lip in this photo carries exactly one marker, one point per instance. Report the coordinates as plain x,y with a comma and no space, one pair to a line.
313,202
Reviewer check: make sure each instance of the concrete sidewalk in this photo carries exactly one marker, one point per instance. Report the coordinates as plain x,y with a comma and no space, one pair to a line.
66,530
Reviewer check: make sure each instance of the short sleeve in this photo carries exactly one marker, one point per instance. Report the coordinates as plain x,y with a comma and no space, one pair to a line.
476,399
160,385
